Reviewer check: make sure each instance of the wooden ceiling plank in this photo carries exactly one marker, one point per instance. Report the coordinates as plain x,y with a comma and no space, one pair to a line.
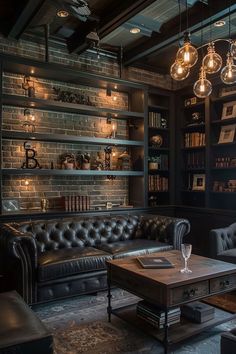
218,11
76,43
24,18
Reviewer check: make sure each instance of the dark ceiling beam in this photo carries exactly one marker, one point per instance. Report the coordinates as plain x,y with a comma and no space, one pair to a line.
24,18
125,11
170,33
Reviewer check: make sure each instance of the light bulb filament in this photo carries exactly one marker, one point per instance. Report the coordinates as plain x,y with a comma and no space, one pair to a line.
211,63
230,72
179,69
186,56
202,87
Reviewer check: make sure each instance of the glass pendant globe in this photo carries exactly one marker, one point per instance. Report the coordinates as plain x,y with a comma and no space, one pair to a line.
202,87
212,62
228,73
233,49
178,71
187,54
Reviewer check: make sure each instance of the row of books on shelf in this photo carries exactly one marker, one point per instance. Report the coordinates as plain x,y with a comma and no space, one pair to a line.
194,139
155,120
224,186
77,203
155,316
157,183
195,159
226,161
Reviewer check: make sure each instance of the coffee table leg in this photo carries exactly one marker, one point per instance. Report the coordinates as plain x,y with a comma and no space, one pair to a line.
109,308
166,327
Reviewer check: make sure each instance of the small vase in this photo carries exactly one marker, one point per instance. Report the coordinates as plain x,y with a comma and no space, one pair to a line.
153,166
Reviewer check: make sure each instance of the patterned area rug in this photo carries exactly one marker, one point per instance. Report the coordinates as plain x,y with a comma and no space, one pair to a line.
79,326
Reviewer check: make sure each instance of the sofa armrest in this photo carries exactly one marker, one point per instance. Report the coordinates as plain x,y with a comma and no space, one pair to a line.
18,252
228,342
222,239
166,229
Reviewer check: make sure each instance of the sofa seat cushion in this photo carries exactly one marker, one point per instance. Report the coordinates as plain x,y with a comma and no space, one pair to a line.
228,256
70,261
134,247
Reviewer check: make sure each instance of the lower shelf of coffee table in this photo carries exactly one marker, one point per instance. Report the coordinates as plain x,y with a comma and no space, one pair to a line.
177,332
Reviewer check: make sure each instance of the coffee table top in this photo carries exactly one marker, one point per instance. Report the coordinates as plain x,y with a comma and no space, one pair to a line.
202,268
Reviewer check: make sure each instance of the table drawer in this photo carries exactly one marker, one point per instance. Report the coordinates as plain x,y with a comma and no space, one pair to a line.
188,292
222,283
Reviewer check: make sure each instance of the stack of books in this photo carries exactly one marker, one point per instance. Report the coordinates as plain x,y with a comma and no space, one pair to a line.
155,316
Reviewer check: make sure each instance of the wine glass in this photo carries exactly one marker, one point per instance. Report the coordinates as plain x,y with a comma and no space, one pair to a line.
186,249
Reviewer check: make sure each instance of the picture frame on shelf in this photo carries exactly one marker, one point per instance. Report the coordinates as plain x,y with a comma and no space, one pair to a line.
227,134
199,182
10,205
229,110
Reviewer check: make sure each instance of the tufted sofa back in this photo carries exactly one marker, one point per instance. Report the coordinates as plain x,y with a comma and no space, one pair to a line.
80,232
222,239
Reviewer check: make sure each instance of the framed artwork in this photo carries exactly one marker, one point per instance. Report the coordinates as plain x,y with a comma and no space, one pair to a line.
229,110
9,205
199,182
227,134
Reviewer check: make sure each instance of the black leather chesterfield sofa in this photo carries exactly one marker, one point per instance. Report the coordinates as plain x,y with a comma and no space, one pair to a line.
47,260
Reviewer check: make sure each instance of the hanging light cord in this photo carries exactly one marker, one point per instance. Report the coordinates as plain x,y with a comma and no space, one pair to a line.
187,15
180,22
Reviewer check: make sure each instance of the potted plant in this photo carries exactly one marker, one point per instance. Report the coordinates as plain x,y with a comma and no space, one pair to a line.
84,161
153,162
67,161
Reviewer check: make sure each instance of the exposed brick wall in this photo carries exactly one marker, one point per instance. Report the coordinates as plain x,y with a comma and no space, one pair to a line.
98,188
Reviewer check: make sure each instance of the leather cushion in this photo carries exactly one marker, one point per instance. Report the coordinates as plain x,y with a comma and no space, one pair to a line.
228,256
66,262
135,247
21,331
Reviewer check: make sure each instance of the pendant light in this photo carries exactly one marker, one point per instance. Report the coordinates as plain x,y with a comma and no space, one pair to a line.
233,49
179,71
202,87
212,62
187,53
228,73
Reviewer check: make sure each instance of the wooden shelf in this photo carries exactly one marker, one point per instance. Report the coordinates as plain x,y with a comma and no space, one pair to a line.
38,103
8,134
158,192
224,168
194,148
54,172
151,148
54,71
160,129
228,193
157,107
198,104
196,127
224,121
177,332
194,169
224,145
157,171
187,191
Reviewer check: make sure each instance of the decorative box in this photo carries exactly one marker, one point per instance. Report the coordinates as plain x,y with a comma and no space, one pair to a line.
198,311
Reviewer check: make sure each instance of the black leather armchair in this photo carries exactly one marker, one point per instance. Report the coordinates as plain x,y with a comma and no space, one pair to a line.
223,243
228,342
46,260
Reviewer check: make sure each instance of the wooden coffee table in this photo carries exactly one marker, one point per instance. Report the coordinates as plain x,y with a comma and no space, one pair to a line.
169,288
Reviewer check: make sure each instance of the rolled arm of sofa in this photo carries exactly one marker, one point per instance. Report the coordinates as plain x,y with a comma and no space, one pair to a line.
19,259
166,229
222,239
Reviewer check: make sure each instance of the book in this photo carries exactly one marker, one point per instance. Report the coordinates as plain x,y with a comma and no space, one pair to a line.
155,262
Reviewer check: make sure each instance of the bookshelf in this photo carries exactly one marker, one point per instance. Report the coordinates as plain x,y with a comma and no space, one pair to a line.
160,128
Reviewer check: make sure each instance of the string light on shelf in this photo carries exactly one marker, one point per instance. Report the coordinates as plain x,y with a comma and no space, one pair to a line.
187,57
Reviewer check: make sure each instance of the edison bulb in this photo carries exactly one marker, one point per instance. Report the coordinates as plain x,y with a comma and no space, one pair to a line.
178,71
233,49
212,62
187,54
228,73
202,87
